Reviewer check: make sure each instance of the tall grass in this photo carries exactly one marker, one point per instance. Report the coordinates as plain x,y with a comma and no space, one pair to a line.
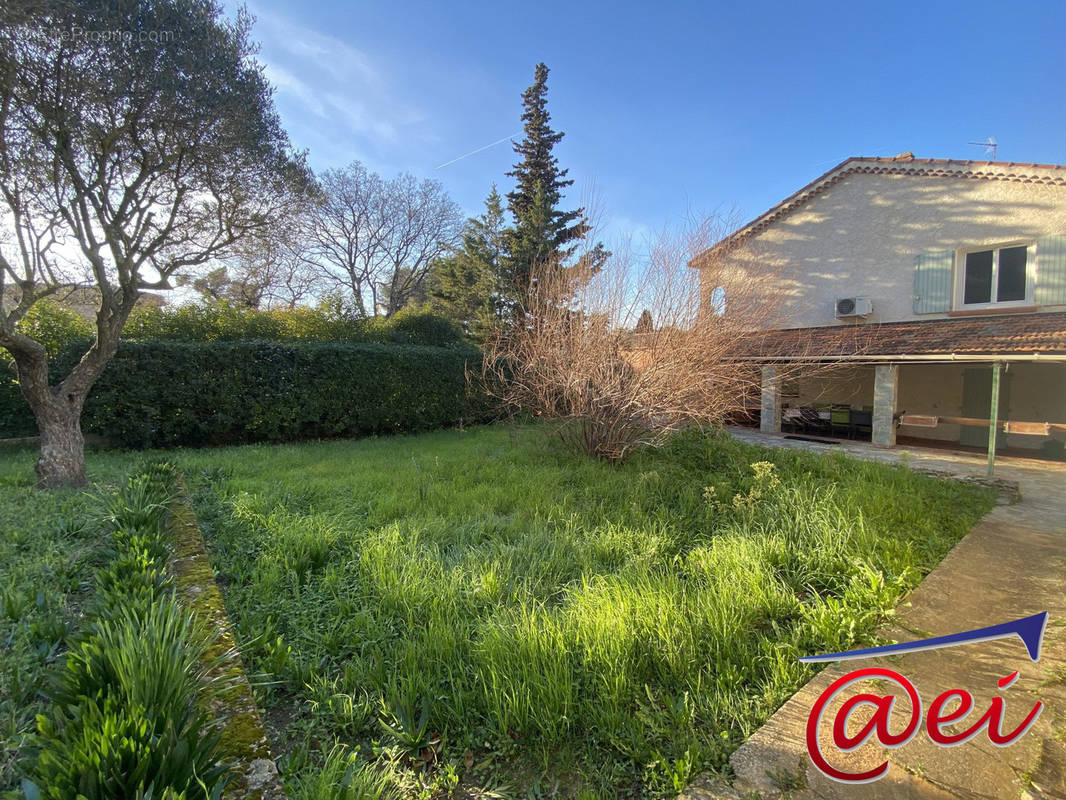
485,605
343,776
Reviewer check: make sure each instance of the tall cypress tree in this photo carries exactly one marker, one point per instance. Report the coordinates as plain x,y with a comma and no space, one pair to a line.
543,235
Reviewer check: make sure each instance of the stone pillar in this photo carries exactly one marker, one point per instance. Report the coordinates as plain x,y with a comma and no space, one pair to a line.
770,419
886,386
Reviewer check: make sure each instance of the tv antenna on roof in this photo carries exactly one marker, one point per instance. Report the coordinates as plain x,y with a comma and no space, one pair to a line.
990,144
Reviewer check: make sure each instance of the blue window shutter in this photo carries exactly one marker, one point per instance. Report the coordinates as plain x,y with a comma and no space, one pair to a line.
932,282
1051,271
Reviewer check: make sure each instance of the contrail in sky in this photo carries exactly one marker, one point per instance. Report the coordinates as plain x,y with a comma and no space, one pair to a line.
475,152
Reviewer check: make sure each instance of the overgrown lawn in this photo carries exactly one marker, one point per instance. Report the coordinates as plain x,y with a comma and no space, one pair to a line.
481,608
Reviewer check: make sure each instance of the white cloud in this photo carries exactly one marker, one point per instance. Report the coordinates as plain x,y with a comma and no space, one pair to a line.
360,119
288,83
332,55
338,83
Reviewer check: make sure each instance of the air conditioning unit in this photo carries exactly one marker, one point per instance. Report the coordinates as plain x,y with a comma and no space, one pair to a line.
853,307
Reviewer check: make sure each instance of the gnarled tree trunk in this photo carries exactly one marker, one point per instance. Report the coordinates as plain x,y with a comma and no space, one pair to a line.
62,455
57,409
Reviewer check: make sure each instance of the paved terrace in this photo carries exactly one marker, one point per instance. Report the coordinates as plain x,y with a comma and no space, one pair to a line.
1012,564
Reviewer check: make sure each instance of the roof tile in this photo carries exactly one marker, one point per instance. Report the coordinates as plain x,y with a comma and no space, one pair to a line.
1007,334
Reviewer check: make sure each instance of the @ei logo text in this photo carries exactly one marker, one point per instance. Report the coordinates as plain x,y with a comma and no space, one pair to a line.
944,720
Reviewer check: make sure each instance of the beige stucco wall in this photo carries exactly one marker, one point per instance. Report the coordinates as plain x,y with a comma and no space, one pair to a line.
860,237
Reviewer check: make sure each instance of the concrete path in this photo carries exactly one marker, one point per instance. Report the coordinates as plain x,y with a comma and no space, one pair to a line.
1012,564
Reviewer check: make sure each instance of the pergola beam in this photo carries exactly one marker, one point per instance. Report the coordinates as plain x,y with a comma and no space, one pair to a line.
993,417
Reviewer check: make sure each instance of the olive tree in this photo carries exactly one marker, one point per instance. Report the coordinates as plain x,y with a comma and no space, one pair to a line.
137,140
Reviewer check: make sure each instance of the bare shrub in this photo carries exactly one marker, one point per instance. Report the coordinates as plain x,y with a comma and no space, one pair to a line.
579,358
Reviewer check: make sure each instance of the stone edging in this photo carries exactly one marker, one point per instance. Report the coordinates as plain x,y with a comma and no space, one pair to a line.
244,740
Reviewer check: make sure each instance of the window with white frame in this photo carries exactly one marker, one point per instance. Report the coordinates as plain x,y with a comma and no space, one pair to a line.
994,277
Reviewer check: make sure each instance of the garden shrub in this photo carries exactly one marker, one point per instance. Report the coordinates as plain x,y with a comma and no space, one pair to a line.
413,326
162,394
54,327
205,322
223,322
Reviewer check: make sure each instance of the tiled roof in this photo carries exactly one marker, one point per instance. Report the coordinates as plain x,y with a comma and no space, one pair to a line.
1006,334
904,164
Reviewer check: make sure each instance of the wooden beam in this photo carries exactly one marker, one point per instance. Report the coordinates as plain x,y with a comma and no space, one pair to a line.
920,420
1007,426
1028,428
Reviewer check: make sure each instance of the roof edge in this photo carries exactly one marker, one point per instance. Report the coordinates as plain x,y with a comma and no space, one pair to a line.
903,164
964,320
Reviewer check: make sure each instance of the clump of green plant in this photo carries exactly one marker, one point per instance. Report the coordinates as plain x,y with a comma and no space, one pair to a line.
407,726
50,548
128,714
343,776
764,481
126,719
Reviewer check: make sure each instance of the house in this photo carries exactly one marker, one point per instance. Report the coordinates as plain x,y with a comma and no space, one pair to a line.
915,286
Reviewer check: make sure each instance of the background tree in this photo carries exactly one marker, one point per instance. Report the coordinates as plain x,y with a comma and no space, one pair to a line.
378,238
346,233
645,323
543,236
466,285
265,269
219,286
426,223
124,160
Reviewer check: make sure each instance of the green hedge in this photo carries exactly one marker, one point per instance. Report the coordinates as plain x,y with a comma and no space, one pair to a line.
180,337
168,393
16,419
162,394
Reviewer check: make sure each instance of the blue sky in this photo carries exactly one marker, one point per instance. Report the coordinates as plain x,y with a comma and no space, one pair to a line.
667,108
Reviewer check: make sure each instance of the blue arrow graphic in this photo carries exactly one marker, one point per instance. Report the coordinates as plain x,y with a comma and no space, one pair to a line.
1029,629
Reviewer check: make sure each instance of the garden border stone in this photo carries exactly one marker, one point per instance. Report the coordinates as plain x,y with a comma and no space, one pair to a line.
243,735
